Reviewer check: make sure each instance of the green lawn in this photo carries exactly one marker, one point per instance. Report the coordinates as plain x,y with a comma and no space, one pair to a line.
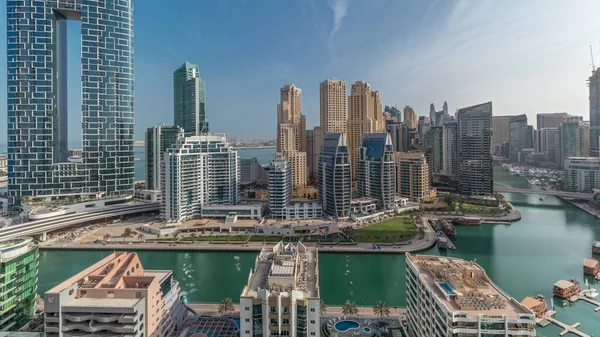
392,230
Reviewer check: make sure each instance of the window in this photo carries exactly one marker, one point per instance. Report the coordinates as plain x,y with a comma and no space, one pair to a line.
247,332
312,309
247,308
312,333
312,321
247,320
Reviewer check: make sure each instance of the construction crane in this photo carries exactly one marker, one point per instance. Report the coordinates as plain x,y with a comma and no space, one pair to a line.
592,55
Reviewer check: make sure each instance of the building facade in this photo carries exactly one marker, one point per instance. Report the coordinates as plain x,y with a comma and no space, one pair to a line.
115,296
365,115
189,100
550,119
594,85
280,187
412,176
282,294
251,171
453,297
376,176
37,99
314,143
434,139
450,150
400,136
197,171
474,146
518,132
18,283
410,117
572,137
333,105
334,176
582,174
158,139
291,133
501,128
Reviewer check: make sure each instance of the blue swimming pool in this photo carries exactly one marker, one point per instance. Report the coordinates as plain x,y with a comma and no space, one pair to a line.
447,288
343,326
237,321
367,330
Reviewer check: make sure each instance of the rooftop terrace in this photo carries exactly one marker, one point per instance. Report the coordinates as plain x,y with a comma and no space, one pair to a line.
284,268
464,286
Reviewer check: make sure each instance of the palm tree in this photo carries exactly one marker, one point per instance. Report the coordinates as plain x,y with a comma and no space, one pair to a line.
226,306
127,231
349,308
140,237
106,237
193,237
322,307
381,309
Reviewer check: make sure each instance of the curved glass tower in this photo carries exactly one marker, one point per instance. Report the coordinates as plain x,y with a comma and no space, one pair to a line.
37,99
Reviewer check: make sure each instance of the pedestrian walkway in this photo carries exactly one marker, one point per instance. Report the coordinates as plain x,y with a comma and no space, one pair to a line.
567,328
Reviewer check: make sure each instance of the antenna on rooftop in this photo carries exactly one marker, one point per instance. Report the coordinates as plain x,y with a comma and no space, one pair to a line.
592,55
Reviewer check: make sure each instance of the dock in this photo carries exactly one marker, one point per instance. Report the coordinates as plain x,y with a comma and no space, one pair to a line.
582,297
548,319
489,222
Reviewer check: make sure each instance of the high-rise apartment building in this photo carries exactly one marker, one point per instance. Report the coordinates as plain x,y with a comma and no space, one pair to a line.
189,100
582,174
37,99
282,294
280,187
434,139
474,146
553,147
501,129
400,135
393,113
251,171
18,282
572,133
291,133
517,133
365,115
549,119
158,139
437,118
314,143
594,85
410,117
197,171
376,176
450,149
334,176
333,105
412,176
467,299
115,296
423,126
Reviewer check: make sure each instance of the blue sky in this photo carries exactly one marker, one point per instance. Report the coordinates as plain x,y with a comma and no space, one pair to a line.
525,56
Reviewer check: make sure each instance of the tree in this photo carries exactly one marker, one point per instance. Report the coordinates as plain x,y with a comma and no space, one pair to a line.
381,309
158,236
106,237
175,234
193,237
140,236
226,306
127,232
322,307
349,308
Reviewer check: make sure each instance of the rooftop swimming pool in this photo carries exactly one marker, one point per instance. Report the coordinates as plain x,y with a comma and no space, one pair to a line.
447,288
343,326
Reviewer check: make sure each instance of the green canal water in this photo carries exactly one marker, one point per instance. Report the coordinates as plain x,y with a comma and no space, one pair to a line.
549,243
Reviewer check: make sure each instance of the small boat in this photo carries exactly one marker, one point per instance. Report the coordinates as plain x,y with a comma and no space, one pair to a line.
591,293
448,228
468,221
541,199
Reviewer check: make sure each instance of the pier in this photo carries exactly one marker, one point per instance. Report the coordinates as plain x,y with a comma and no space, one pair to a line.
491,222
547,319
582,297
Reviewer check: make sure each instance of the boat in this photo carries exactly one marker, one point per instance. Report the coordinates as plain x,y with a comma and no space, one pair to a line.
442,242
596,247
448,228
541,199
468,221
591,293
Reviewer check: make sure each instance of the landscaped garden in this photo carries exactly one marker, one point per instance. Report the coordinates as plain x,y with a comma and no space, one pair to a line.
392,230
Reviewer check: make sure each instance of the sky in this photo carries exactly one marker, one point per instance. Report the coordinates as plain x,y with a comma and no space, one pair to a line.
526,57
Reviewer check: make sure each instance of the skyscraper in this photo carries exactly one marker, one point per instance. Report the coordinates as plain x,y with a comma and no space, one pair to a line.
189,100
550,119
594,85
474,144
197,171
158,139
376,176
571,139
37,99
423,126
434,139
365,115
314,142
280,187
450,149
334,177
410,117
291,133
333,105
517,132
501,129
400,136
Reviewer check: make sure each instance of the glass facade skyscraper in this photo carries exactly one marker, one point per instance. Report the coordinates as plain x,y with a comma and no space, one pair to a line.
376,174
158,139
334,176
37,99
189,99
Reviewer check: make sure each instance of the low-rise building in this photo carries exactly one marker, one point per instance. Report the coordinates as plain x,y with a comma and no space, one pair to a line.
363,206
566,289
536,304
282,294
590,266
115,297
582,174
454,297
18,282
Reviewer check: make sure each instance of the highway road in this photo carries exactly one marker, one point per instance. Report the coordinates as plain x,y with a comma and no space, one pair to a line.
573,195
74,219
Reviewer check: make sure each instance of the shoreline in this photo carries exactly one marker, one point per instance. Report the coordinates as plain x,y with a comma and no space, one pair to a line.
581,206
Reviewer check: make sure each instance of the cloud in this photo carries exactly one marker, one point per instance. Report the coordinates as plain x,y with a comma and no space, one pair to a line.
340,11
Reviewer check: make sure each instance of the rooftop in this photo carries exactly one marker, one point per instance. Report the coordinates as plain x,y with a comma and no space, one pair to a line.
531,302
464,286
103,303
564,284
590,263
596,244
283,268
13,248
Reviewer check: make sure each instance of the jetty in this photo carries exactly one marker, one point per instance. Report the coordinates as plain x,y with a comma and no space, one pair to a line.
547,319
493,222
582,297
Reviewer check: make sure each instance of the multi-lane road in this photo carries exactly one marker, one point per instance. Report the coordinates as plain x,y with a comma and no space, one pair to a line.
74,219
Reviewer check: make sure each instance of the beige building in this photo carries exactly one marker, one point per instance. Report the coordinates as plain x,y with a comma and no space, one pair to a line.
115,297
500,132
550,119
291,132
365,115
333,105
282,294
410,117
412,176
